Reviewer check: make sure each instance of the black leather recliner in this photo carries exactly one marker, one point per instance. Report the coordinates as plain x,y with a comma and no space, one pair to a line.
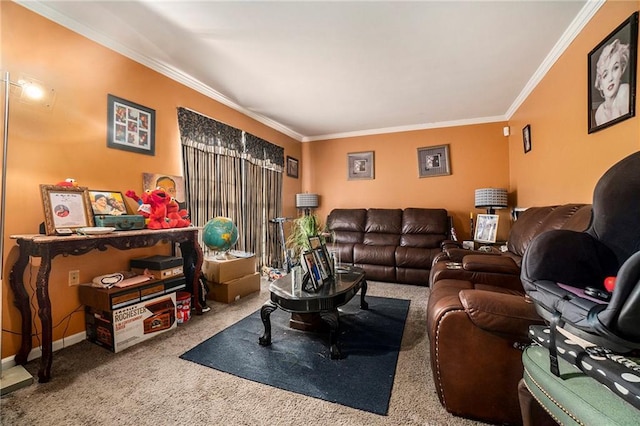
560,264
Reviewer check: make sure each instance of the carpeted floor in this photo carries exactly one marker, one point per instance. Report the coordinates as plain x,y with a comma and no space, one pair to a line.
300,361
148,384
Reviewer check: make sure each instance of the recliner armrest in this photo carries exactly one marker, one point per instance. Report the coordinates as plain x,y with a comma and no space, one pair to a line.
449,244
505,314
493,263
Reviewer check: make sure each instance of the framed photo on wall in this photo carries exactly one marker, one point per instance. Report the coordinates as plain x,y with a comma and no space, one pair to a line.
526,138
292,167
486,228
130,126
65,207
433,161
360,165
612,76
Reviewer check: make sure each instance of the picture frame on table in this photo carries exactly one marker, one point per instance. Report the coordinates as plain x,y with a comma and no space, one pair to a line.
65,208
433,161
313,270
323,259
361,165
130,126
486,228
526,138
110,203
612,76
292,167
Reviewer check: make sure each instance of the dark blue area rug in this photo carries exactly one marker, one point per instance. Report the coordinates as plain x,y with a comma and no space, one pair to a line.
299,361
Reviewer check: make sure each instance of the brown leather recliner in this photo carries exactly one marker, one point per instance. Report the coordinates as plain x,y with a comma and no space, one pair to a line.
478,316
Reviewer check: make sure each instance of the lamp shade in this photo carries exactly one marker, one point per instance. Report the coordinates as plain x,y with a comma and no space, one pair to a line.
492,198
306,201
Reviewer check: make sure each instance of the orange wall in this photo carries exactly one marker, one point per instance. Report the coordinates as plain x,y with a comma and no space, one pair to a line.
478,158
565,162
69,140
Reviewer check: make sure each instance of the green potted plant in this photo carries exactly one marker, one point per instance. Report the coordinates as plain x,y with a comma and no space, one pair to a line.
302,228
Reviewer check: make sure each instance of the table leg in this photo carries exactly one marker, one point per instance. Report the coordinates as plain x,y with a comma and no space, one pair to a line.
333,320
21,301
265,315
363,292
44,312
192,255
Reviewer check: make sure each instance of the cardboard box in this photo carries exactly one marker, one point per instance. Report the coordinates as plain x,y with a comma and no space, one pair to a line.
235,289
161,267
119,329
108,299
224,270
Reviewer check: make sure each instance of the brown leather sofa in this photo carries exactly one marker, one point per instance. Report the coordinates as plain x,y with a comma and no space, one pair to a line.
392,245
478,319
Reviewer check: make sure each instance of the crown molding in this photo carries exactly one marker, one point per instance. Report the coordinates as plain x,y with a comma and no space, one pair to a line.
409,128
584,16
42,9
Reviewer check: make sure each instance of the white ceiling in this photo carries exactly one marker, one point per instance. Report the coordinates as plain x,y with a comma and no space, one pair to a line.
315,70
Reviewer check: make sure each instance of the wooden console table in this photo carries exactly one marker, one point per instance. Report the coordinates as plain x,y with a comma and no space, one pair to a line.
48,247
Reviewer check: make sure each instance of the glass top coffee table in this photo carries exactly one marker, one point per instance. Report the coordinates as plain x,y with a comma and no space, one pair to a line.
291,297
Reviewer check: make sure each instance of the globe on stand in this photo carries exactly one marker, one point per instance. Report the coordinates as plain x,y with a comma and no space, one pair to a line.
220,234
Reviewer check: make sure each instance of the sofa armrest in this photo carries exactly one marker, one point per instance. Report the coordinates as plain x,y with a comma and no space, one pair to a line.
493,263
449,244
504,314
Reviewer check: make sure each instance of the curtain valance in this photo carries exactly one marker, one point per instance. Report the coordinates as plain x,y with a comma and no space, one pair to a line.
209,135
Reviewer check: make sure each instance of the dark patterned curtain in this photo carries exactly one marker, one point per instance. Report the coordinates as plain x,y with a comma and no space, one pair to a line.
232,173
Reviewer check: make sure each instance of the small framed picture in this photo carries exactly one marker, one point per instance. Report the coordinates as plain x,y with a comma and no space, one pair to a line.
486,228
612,76
360,165
110,203
319,249
433,161
65,207
130,127
173,185
313,269
526,138
292,167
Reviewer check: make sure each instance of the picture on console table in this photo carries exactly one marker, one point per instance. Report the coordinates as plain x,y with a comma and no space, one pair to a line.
111,203
65,207
486,228
612,76
130,127
433,161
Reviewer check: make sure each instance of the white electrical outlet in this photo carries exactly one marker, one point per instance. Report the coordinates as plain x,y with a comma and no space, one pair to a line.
74,277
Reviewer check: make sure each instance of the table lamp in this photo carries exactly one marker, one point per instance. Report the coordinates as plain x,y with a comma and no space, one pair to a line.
491,199
306,202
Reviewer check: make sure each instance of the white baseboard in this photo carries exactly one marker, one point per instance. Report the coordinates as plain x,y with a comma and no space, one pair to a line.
37,352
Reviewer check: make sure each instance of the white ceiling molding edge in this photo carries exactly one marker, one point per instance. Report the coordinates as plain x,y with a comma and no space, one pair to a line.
409,128
586,13
168,71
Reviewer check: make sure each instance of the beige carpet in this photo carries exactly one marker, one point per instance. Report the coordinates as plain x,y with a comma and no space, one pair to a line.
148,384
